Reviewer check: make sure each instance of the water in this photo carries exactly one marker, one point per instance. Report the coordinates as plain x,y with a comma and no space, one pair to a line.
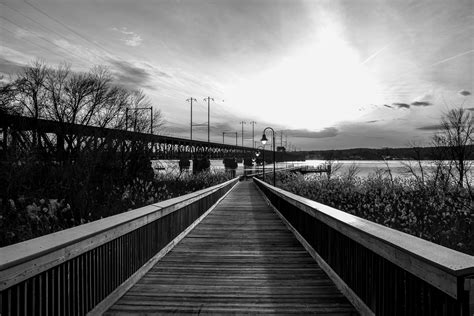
398,168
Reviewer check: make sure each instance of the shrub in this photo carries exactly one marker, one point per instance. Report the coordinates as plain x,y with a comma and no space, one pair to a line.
440,215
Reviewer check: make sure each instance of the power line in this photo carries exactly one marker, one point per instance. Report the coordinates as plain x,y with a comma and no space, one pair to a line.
71,29
39,36
48,29
30,42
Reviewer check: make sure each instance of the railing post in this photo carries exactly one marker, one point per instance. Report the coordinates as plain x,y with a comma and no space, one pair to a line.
469,287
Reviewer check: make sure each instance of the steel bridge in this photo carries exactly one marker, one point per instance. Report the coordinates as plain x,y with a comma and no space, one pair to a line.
20,135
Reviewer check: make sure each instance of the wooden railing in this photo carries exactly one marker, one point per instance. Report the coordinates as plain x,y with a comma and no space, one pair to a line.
259,173
72,271
381,270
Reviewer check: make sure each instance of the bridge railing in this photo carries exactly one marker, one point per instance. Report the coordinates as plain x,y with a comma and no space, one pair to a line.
74,271
381,270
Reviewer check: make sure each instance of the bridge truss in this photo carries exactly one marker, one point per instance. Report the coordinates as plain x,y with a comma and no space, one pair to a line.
21,135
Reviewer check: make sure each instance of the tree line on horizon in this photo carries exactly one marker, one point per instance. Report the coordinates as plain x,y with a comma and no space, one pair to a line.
386,153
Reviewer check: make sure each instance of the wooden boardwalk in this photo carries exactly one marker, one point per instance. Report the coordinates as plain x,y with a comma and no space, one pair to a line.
240,259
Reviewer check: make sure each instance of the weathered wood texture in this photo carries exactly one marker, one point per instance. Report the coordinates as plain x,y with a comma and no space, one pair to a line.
70,272
393,273
240,259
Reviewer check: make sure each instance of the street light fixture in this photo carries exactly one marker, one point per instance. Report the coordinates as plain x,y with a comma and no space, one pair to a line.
264,140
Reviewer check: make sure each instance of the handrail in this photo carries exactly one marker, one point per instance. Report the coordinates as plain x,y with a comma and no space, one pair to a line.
125,237
28,250
441,267
255,174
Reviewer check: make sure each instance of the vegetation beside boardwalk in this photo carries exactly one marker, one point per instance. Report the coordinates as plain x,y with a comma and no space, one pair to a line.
441,215
43,200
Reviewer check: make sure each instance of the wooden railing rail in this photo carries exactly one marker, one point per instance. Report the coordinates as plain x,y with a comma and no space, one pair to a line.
270,171
71,271
382,271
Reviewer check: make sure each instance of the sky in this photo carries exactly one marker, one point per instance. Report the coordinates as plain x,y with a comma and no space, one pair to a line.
329,74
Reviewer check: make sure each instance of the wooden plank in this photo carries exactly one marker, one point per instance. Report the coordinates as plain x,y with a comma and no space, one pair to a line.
240,259
127,284
435,264
340,284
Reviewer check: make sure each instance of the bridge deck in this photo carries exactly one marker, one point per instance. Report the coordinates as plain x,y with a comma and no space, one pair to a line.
240,259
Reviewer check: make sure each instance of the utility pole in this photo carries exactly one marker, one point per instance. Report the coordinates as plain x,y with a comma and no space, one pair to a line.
151,120
281,138
126,119
191,99
208,99
242,123
253,133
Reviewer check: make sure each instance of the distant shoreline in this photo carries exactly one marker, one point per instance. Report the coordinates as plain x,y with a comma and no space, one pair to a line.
413,153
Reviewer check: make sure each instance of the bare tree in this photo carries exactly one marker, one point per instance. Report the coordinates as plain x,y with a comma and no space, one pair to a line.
352,171
87,98
142,117
416,168
7,97
456,135
26,93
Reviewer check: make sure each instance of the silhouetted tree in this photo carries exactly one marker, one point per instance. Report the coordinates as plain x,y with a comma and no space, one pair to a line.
457,134
87,98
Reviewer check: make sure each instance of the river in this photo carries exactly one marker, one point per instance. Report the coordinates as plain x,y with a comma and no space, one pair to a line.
398,168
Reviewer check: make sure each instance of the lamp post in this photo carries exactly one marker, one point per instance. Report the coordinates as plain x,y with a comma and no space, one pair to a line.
264,141
263,158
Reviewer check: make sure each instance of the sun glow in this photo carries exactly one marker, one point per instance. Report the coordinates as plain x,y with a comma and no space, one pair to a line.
320,83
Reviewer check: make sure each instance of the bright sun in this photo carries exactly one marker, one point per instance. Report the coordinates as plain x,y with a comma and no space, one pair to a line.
316,86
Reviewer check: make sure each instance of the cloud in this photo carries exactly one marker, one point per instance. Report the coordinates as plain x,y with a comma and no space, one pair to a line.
131,38
9,67
430,127
157,72
421,103
129,75
470,109
401,105
373,121
464,93
388,106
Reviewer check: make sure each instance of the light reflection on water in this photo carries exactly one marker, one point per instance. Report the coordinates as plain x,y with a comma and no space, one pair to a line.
397,167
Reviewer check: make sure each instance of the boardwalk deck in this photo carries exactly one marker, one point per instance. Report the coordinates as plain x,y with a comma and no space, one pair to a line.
240,259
